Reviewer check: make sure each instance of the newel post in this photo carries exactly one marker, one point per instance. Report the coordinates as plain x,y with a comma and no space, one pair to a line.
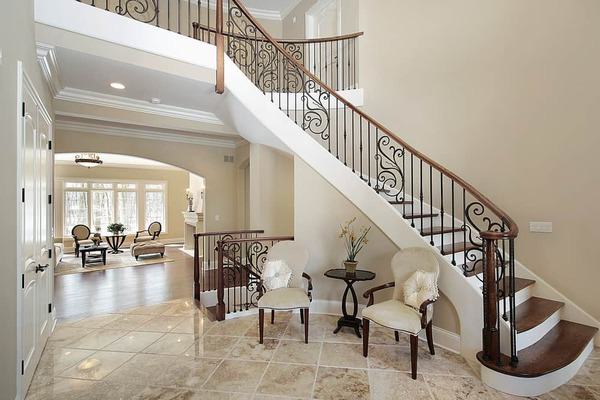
220,42
491,334
196,269
220,283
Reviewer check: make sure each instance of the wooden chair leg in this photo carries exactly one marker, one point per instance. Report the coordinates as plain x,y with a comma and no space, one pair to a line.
261,325
414,348
397,335
272,317
429,332
301,316
365,323
306,325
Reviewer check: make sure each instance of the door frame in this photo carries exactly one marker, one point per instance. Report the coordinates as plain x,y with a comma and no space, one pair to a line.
24,82
311,15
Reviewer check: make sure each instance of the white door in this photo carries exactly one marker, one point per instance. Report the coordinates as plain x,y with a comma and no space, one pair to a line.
35,260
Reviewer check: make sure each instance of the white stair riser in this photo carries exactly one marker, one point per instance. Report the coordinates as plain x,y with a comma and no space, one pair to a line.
527,338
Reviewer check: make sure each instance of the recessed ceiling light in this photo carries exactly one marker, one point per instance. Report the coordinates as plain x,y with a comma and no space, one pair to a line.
155,100
117,85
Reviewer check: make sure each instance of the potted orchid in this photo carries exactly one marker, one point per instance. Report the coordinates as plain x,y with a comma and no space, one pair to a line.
354,243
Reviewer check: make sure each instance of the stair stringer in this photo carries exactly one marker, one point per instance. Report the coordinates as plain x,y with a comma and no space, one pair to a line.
255,118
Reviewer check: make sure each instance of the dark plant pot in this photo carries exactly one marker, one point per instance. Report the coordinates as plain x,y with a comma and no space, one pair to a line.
350,266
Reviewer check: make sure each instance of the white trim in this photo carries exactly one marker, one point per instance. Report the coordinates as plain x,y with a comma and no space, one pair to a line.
46,57
312,13
125,103
285,12
140,133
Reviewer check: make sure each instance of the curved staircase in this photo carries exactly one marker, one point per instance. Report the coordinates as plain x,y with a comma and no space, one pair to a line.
510,320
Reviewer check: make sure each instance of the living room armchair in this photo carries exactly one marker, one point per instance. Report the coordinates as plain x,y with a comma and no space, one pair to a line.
397,315
81,236
292,297
152,233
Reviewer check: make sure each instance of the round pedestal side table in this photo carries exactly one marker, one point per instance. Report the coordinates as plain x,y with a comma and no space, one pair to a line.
350,320
115,242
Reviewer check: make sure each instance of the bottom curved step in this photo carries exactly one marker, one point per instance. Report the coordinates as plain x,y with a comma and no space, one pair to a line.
546,364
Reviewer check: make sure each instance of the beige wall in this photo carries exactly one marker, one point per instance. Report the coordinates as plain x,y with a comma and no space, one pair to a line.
271,190
319,212
506,94
297,30
16,43
201,160
177,181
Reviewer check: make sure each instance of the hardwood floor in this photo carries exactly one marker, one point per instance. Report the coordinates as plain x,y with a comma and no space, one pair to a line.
101,292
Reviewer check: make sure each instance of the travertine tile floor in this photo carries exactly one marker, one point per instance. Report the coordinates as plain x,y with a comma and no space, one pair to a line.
172,351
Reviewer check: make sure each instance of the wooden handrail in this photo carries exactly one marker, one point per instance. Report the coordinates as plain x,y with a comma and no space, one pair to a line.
338,38
257,239
512,228
200,234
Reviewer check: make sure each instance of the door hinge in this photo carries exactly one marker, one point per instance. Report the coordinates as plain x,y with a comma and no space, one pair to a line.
49,144
22,367
23,110
50,254
49,308
22,281
49,199
23,195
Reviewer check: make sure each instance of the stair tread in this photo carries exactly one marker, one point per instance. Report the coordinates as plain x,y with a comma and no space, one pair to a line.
424,215
456,247
400,202
557,349
534,312
438,230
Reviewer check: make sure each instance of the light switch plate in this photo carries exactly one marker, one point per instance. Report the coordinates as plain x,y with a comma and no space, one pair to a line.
540,227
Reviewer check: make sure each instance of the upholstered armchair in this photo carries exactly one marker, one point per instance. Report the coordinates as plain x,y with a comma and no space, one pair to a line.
394,313
151,233
293,297
81,236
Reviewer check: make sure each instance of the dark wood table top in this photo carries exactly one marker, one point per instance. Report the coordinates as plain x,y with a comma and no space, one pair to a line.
94,248
359,275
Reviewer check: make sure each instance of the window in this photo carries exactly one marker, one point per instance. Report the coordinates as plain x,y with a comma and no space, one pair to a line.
127,210
155,207
76,210
102,209
100,203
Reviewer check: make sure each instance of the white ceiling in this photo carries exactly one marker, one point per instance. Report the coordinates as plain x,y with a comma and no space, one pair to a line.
91,73
115,160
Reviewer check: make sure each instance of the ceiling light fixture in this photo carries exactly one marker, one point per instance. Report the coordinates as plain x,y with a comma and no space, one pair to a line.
117,85
88,160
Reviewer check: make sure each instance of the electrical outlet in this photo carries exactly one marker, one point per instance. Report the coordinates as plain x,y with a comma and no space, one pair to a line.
540,227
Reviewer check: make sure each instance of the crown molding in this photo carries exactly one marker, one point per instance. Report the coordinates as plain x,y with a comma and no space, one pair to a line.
83,127
46,57
125,103
122,165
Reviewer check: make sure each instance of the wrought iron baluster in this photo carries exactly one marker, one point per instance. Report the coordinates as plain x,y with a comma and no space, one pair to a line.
453,218
421,190
431,204
442,207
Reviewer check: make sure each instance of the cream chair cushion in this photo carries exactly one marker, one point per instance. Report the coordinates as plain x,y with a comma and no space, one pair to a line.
420,287
143,238
85,242
294,255
284,299
276,275
395,315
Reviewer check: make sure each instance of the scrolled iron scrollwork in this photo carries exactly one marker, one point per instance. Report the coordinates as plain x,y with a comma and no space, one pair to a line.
316,118
140,10
390,176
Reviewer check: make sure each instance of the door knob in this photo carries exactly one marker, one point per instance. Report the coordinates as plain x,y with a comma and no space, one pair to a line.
41,268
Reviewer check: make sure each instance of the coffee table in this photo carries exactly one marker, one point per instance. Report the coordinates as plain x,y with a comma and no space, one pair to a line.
87,256
350,320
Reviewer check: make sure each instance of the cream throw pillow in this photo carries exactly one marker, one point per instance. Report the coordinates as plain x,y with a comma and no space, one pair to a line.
421,286
276,274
